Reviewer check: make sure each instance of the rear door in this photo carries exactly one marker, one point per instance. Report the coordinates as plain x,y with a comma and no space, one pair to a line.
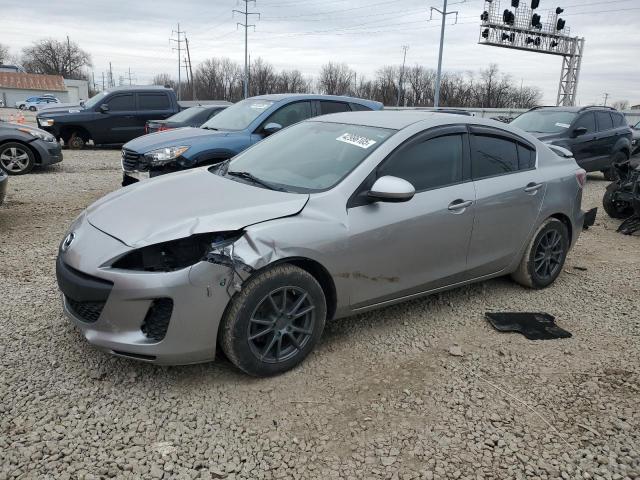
509,194
399,249
151,106
119,124
605,140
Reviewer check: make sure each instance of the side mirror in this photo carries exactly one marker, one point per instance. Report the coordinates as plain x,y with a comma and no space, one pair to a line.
104,108
579,131
82,103
391,189
271,128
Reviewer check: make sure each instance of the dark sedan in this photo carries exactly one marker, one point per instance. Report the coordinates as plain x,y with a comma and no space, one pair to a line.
23,147
4,178
191,117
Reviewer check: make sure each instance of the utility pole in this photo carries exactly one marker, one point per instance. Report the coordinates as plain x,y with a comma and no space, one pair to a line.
444,13
68,56
193,85
179,49
111,82
606,97
186,70
129,76
103,81
246,26
400,85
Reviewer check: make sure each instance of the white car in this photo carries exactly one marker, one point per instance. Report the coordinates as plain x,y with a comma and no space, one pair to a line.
33,103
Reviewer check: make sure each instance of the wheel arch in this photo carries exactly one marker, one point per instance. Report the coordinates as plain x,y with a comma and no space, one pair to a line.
36,156
567,223
67,130
317,271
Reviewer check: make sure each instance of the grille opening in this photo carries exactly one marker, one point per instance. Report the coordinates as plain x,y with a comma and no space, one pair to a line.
87,311
156,322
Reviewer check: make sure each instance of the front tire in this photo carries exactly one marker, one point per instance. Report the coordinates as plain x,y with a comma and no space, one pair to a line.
32,108
76,141
545,255
274,322
615,209
16,158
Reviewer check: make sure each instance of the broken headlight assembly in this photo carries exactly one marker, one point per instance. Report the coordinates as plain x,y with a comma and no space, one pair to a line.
162,156
176,254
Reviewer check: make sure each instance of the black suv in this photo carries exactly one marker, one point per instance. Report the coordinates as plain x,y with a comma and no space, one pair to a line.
598,137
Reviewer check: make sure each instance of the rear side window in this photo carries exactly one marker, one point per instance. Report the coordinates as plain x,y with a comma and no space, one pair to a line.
618,120
493,156
357,107
604,121
588,121
332,107
153,101
121,103
430,164
526,157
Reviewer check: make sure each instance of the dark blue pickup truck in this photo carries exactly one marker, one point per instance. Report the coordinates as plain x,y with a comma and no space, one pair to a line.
113,116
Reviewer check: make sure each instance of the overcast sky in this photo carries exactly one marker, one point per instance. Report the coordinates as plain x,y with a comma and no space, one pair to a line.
306,34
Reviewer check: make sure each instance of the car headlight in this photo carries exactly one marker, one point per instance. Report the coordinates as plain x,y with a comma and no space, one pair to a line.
165,155
176,254
47,137
46,122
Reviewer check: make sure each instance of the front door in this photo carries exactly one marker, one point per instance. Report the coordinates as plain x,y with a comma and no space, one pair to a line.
509,194
119,124
399,249
584,147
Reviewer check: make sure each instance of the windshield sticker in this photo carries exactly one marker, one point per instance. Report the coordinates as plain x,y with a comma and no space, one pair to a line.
260,106
563,125
357,140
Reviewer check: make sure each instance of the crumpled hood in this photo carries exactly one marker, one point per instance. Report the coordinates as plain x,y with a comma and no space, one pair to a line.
181,136
185,203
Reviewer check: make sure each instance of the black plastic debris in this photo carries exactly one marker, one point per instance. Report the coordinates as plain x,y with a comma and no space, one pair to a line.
590,218
534,326
630,226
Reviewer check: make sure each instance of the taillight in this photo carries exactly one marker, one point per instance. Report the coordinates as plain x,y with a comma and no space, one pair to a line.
162,128
581,177
146,129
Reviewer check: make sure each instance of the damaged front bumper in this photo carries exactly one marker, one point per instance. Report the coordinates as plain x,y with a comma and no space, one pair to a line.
160,317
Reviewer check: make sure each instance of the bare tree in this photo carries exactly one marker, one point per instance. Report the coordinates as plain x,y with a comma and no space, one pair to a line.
292,81
163,79
52,57
4,54
262,78
621,104
336,79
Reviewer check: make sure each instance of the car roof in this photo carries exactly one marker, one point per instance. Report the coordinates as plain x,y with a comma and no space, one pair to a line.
277,97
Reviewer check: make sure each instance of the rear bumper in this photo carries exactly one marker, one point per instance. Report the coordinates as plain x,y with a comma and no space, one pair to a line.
3,187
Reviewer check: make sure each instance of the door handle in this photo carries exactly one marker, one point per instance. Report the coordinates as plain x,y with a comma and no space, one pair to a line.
533,187
459,204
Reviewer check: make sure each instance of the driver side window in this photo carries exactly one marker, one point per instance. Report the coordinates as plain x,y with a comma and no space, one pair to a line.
290,114
587,121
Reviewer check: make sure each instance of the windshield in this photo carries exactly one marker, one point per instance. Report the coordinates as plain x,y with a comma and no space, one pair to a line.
185,115
95,100
239,115
307,157
544,121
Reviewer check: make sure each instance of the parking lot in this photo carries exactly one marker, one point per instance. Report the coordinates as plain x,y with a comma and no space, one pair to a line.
382,396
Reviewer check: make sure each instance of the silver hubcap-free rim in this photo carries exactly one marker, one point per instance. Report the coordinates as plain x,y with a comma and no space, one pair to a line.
14,159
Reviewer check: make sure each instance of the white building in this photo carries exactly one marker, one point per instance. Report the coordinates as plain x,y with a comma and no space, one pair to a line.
18,86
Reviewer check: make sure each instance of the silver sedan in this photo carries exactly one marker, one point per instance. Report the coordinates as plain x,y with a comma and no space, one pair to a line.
330,217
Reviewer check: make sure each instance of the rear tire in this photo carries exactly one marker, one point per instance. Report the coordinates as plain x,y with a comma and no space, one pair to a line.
545,255
274,322
619,210
32,108
76,142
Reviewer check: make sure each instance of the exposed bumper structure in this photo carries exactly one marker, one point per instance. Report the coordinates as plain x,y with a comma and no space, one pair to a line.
48,153
165,317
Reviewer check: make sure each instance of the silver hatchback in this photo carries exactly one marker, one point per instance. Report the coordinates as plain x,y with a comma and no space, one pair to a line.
330,217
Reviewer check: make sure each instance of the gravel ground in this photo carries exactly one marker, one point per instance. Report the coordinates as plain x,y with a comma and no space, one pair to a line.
382,396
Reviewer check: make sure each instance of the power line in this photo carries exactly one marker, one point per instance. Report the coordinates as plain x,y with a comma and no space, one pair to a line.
246,26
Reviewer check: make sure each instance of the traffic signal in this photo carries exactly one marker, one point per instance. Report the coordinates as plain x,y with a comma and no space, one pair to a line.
535,21
515,3
485,33
554,44
559,10
484,16
560,24
535,4
511,37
